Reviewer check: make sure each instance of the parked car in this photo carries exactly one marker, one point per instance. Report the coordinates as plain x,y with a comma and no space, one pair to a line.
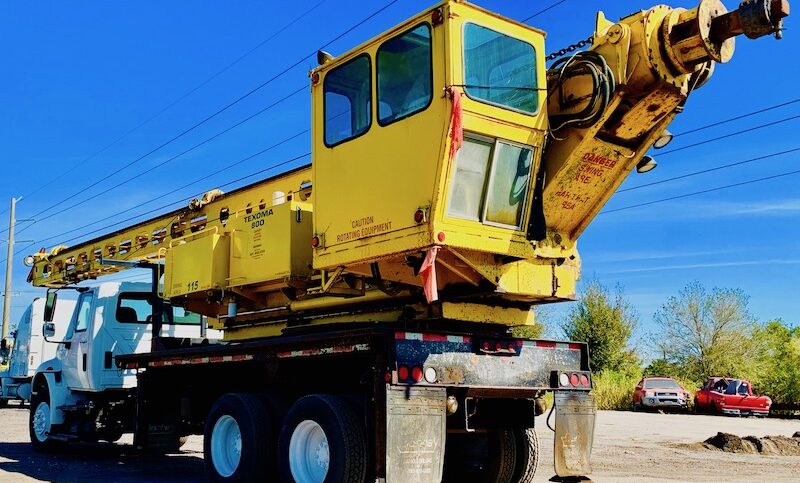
724,395
660,393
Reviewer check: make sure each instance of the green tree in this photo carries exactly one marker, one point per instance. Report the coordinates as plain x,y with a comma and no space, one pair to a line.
606,322
779,361
707,333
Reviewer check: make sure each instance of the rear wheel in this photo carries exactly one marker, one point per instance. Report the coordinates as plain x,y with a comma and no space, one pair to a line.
322,440
497,456
237,443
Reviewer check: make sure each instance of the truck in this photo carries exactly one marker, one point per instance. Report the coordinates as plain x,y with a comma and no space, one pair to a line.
106,321
730,396
369,300
29,348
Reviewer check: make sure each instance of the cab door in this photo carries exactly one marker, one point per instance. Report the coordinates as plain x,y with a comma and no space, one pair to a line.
74,353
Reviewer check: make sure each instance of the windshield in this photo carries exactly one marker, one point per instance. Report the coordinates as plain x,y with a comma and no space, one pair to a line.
661,384
499,69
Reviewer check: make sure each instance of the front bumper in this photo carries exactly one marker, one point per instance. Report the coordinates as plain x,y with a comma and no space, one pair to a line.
745,411
665,402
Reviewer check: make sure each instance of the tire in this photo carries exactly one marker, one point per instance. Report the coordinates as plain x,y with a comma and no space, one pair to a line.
238,419
527,458
322,440
499,456
39,426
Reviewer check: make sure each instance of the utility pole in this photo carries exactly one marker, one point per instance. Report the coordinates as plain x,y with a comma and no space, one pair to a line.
9,264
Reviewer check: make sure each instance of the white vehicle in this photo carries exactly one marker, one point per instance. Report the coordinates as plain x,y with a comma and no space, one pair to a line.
29,349
79,394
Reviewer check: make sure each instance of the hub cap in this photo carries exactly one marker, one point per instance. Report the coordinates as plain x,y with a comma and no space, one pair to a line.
41,421
226,446
309,455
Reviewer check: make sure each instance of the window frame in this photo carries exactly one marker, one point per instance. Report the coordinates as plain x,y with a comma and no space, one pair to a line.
85,295
537,89
488,181
325,103
378,69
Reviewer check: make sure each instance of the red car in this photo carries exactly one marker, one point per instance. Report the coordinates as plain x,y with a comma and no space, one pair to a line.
731,396
660,393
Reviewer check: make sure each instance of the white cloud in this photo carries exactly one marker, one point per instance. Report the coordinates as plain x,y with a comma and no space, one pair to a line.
692,266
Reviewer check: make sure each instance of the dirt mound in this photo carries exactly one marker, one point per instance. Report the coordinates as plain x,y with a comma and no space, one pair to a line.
770,445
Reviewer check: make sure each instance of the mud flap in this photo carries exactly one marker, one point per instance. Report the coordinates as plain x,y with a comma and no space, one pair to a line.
575,415
415,434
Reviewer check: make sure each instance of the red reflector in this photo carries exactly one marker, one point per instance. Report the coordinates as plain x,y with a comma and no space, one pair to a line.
440,236
388,377
419,216
486,346
573,379
315,242
574,347
545,344
402,373
416,374
511,346
584,380
498,346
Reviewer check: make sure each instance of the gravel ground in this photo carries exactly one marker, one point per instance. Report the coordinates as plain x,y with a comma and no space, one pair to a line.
629,447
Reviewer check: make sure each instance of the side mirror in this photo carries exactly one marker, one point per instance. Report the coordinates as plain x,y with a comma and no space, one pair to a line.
48,329
50,306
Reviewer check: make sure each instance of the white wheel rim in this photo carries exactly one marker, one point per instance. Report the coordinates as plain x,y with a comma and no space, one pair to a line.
226,446
41,421
309,455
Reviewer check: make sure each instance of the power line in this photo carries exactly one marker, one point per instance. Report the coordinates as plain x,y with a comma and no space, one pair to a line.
709,170
710,190
154,210
191,183
554,5
725,136
168,160
736,118
226,107
181,98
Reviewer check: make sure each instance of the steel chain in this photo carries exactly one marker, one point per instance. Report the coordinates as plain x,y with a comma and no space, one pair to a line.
572,48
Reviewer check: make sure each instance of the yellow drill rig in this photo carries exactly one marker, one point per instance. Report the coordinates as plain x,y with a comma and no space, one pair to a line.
452,174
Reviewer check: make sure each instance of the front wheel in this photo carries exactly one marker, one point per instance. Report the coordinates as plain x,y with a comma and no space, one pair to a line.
322,440
39,424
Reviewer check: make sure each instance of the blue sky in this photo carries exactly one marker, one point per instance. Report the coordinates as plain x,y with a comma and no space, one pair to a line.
76,77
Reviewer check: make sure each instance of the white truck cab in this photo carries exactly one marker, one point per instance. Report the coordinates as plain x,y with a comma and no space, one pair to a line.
80,393
30,348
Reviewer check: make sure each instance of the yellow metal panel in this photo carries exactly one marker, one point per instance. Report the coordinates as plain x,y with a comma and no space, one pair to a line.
269,244
197,264
470,312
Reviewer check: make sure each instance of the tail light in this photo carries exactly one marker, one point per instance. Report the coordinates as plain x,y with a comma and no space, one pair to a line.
571,380
402,373
315,241
419,216
416,374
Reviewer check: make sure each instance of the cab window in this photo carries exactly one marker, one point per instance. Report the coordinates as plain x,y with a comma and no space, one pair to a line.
137,308
499,69
490,182
405,75
347,106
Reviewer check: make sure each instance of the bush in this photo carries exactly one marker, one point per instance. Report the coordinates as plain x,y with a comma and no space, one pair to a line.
613,390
